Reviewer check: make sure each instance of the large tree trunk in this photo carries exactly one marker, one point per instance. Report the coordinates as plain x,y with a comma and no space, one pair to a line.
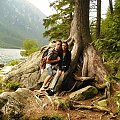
111,6
80,33
98,18
79,41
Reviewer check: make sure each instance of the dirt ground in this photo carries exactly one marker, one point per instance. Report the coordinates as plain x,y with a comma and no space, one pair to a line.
48,109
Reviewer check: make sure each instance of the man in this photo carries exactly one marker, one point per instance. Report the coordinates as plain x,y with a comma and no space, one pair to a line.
53,59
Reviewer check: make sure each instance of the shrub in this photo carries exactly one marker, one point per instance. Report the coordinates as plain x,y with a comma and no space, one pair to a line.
12,85
29,46
14,62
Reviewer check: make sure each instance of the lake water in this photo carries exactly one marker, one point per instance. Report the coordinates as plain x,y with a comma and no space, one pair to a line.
7,55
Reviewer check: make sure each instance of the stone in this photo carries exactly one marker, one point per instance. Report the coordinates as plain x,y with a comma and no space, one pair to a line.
84,93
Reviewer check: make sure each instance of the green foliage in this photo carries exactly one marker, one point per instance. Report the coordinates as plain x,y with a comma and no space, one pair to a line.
58,25
52,117
117,98
13,85
109,42
1,84
29,46
13,62
111,77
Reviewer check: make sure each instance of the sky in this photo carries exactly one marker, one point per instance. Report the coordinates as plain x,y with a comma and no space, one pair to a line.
43,5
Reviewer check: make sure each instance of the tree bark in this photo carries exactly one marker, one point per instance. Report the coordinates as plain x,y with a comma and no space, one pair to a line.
98,19
111,7
80,32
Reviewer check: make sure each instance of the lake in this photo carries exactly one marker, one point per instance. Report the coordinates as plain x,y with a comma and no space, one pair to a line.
7,55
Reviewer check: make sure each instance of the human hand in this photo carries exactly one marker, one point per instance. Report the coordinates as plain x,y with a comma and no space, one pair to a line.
58,58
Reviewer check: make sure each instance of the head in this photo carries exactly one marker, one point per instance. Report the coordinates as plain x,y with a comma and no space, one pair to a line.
64,46
58,45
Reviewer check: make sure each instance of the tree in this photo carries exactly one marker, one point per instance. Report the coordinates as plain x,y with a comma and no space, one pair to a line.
98,23
29,46
83,54
58,25
111,6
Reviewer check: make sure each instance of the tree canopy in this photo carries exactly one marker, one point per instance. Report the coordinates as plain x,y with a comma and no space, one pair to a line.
58,25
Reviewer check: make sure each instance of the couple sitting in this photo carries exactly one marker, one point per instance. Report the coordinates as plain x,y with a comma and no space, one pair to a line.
58,58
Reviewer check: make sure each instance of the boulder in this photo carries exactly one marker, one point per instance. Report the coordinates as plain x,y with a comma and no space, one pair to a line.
1,65
84,93
27,72
12,104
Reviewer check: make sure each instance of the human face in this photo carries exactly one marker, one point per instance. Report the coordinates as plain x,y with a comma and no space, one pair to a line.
64,46
58,45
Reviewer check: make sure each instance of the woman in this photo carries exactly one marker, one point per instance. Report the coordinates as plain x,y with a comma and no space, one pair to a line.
66,58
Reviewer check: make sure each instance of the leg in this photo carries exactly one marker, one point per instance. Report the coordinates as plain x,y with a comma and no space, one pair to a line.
55,79
48,78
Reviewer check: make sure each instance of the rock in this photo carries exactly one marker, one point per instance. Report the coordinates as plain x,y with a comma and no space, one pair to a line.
27,72
13,103
3,101
1,65
84,93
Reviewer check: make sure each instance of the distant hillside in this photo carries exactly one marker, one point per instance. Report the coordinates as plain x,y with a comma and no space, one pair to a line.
19,19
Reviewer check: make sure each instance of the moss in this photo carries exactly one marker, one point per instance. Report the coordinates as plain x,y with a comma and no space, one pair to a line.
13,62
1,84
63,104
13,85
53,117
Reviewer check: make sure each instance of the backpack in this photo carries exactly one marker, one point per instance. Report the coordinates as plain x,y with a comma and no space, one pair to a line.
44,58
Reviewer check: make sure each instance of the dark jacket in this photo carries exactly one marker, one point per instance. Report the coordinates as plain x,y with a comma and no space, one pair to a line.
65,62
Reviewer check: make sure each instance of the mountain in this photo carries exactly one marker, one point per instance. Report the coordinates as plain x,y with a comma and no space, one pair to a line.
19,20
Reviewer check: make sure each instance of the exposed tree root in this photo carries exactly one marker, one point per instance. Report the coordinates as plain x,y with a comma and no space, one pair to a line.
95,108
84,78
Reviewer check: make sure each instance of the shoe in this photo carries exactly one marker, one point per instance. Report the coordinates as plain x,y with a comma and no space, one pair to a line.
50,92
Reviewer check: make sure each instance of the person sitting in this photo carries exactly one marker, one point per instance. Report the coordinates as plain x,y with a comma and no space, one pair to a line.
66,58
53,60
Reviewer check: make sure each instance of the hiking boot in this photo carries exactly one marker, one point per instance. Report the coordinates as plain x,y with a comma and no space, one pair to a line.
50,92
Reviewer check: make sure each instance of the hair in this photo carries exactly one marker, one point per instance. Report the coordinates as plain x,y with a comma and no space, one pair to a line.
58,41
66,44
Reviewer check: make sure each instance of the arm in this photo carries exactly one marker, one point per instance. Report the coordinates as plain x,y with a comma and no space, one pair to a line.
52,57
53,61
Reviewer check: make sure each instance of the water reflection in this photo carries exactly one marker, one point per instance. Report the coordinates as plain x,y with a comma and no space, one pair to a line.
9,54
